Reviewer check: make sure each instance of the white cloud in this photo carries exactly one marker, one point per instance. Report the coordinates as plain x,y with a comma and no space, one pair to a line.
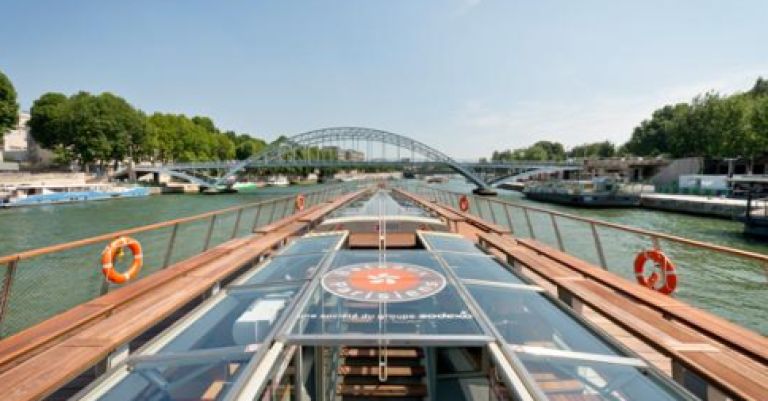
485,128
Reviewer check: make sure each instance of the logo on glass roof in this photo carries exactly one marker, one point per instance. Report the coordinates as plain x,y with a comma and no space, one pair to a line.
391,282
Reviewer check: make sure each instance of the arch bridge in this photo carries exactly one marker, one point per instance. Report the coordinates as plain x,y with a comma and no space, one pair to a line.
344,147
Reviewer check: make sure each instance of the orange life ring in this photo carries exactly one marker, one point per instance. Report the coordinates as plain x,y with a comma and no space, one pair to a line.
667,268
463,203
300,200
112,251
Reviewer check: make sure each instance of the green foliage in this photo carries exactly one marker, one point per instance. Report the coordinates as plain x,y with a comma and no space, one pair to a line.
102,128
91,128
710,125
9,108
592,150
542,150
47,119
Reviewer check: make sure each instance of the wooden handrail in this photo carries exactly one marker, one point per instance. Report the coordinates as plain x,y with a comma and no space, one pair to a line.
149,227
699,244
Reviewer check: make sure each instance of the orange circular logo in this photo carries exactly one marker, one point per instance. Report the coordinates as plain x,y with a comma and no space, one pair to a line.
392,282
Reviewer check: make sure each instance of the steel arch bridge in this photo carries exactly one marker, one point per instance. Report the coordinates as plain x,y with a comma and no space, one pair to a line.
298,151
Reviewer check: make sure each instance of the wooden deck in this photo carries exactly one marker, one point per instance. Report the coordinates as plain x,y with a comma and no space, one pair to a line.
36,362
679,339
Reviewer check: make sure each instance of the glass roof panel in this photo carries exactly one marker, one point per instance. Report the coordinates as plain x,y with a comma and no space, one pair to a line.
244,316
578,379
286,268
442,242
312,244
410,294
528,318
379,203
479,267
201,379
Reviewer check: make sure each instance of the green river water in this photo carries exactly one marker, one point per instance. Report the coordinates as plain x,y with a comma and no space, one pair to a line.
727,286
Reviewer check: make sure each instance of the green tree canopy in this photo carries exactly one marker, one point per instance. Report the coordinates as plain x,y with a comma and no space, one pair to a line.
710,125
9,107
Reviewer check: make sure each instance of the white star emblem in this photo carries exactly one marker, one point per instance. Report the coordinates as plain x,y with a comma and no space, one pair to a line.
383,278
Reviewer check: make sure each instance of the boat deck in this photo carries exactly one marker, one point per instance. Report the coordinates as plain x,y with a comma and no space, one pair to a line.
709,356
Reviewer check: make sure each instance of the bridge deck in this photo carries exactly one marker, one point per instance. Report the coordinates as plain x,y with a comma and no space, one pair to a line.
679,339
36,362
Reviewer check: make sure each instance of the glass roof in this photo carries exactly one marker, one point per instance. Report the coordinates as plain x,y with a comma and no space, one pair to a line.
449,243
312,244
450,294
408,294
380,203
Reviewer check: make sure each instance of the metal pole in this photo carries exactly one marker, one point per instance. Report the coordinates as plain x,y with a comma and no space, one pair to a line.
490,207
237,223
210,232
256,218
272,211
171,243
598,246
528,221
557,232
509,218
10,273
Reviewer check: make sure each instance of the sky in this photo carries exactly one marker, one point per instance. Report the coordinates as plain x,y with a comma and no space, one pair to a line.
464,76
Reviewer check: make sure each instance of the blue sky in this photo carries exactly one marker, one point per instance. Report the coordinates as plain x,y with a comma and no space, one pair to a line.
466,76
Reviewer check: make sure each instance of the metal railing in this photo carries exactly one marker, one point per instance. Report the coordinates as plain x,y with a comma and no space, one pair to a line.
39,283
709,274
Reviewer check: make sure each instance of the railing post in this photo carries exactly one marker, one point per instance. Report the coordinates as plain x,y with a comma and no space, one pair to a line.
272,211
237,223
557,232
256,218
598,246
509,218
210,233
528,222
490,207
171,243
10,273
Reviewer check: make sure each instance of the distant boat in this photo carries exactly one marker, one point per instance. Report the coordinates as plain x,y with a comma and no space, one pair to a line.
32,195
598,192
278,181
436,179
248,185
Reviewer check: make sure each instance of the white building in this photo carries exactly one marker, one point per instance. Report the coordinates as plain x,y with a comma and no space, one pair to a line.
18,145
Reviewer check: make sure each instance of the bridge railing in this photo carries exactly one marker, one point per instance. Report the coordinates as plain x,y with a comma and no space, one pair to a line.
39,283
709,275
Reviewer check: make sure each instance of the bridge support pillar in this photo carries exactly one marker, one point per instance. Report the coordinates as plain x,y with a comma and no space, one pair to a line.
156,178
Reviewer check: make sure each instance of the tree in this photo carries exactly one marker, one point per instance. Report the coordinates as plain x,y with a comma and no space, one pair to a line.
46,119
9,108
760,88
596,149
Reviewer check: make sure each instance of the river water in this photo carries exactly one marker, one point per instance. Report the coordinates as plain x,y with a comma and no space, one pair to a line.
726,286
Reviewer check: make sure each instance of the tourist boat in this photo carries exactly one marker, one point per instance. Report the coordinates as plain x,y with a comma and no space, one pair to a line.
380,301
597,192
30,195
278,181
